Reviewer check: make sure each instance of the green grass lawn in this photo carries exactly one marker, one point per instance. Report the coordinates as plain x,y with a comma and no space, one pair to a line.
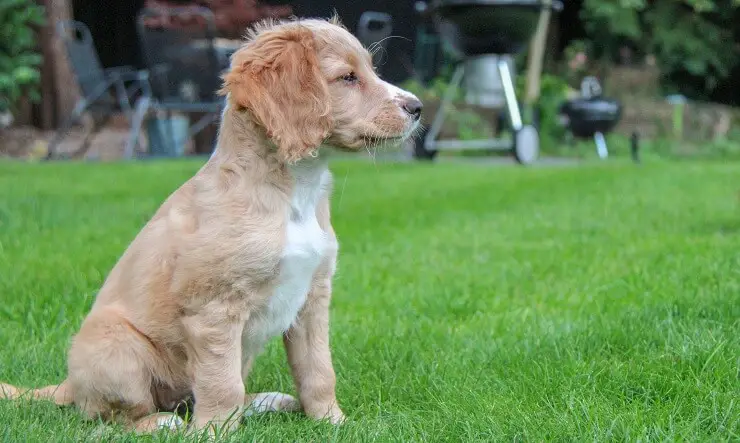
473,303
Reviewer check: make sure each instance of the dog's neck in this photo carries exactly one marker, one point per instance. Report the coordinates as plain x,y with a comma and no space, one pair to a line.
244,145
240,138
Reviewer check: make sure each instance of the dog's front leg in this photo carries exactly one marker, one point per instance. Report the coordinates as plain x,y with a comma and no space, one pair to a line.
307,346
214,336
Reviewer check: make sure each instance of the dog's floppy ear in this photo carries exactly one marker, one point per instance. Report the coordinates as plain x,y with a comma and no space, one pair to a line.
277,78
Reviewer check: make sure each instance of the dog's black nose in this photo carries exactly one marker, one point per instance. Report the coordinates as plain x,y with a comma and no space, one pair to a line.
413,107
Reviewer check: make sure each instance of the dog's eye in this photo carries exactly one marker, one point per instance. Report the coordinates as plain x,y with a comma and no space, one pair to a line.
350,78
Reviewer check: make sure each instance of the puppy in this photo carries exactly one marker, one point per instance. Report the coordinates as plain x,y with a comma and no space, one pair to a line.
244,250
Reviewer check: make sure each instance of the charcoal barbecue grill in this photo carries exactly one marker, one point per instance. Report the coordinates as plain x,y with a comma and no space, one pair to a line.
591,114
484,35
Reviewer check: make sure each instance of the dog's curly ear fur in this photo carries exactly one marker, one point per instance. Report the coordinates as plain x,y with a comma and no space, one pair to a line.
277,78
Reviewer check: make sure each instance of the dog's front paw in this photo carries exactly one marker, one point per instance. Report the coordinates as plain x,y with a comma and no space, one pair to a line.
336,417
333,414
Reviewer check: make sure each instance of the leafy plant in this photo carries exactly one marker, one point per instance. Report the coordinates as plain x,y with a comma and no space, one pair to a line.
19,56
553,92
693,37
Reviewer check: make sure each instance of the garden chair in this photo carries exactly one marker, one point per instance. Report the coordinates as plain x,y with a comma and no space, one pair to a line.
105,92
179,49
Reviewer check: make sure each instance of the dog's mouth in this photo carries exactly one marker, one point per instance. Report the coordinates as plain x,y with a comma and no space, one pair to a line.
369,142
388,140
373,140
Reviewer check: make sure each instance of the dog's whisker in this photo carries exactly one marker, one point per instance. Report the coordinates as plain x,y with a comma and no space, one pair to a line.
344,185
374,47
380,42
367,148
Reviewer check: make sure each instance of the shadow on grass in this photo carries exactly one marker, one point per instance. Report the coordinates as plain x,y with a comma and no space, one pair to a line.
718,227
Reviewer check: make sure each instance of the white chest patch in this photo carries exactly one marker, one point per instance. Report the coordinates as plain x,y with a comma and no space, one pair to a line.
306,245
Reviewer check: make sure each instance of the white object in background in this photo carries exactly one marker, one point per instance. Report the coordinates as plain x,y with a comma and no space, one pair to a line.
601,145
590,87
6,119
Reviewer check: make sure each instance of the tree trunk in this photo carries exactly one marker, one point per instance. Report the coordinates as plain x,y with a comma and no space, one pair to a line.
47,111
65,91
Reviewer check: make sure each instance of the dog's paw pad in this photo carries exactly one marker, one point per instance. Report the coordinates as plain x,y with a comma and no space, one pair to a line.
172,422
164,421
272,402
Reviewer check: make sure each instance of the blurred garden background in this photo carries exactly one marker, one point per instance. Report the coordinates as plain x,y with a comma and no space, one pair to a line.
670,64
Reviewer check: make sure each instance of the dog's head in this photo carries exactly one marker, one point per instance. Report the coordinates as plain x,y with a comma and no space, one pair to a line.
310,83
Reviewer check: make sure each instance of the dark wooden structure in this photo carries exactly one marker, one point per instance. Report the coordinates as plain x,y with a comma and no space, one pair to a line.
113,27
58,91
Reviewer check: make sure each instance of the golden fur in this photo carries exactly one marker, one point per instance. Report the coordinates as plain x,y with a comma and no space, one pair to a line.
173,319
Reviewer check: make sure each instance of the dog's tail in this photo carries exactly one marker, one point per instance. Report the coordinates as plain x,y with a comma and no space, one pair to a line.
60,394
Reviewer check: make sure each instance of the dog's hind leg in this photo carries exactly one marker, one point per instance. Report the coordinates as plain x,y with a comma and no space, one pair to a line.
60,394
111,367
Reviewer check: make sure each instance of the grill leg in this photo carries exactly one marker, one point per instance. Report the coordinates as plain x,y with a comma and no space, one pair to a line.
515,117
446,100
601,148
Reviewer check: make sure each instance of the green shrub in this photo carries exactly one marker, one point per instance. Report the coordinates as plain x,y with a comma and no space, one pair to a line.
19,56
553,93
693,37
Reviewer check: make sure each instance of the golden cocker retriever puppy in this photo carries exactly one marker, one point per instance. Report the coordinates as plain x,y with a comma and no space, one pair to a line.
244,250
